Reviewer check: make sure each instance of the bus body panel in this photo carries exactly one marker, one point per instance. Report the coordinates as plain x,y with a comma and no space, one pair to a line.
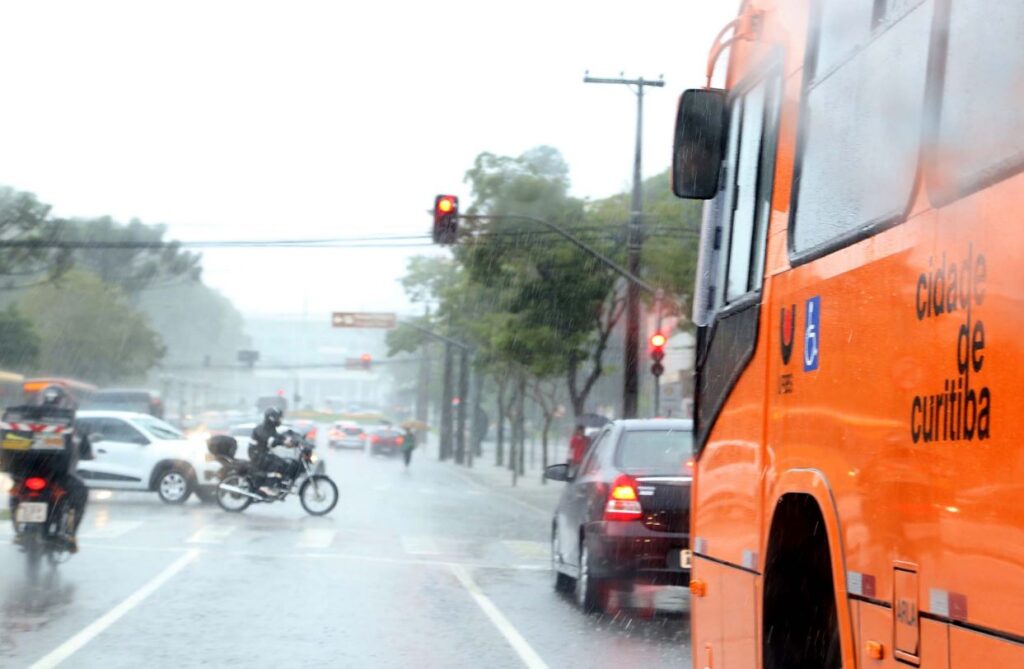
918,472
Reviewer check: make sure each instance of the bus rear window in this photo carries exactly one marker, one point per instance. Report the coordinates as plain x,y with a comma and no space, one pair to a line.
980,136
660,451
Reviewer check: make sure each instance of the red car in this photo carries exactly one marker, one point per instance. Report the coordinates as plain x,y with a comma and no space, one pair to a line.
625,513
386,441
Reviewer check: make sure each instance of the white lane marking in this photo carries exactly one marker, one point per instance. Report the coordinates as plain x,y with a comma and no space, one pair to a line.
75,643
211,535
529,656
529,549
316,538
110,530
420,546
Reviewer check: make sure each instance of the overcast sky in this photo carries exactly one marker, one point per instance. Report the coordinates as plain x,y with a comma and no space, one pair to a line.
299,119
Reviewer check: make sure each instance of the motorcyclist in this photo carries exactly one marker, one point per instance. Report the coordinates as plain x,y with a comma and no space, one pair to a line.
276,471
59,467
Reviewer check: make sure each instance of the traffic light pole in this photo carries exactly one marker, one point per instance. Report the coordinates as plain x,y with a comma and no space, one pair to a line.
631,380
658,299
445,450
460,424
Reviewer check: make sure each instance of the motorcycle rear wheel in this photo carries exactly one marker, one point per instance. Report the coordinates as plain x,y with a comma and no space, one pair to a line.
318,495
233,502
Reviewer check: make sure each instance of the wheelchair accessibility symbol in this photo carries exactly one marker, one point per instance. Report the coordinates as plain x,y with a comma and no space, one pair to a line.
812,334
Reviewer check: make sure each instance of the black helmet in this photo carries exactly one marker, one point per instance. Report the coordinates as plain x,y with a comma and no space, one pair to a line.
54,396
273,416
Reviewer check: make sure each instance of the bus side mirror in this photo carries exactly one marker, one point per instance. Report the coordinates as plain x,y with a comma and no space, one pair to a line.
699,145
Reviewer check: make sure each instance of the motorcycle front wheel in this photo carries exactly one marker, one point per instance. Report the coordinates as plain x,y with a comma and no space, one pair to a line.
318,495
234,502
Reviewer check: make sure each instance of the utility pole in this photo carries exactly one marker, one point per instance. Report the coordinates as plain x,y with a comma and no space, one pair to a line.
475,426
423,388
460,428
631,385
446,405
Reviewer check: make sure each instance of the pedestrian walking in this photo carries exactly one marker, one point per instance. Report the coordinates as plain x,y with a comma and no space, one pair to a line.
408,445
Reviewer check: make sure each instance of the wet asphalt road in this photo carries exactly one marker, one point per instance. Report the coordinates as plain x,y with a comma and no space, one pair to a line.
418,568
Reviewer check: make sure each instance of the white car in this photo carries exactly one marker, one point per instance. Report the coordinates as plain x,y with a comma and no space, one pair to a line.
135,451
346,434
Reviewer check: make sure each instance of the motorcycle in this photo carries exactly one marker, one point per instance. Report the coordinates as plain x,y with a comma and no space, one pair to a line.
238,485
35,442
41,521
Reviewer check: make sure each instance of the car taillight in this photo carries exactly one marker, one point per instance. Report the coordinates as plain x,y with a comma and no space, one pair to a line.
362,435
399,440
35,483
374,439
622,501
311,435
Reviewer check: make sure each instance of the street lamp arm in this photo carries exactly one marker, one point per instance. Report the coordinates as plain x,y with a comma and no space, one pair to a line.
579,243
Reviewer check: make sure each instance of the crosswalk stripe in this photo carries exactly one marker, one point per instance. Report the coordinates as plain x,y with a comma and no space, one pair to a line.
211,535
420,546
111,529
528,549
316,538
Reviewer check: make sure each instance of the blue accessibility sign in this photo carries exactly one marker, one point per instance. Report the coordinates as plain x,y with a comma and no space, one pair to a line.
812,334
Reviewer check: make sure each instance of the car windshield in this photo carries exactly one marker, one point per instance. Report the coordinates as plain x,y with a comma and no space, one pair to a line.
654,451
158,428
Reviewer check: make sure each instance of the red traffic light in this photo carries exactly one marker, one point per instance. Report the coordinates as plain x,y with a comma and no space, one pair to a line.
446,219
658,340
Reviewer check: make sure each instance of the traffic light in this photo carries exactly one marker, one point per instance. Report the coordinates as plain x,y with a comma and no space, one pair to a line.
365,361
446,219
658,341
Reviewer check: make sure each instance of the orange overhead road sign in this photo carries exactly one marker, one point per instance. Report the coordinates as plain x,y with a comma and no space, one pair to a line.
350,319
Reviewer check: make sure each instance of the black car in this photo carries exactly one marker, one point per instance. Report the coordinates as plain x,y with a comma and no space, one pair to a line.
625,513
386,441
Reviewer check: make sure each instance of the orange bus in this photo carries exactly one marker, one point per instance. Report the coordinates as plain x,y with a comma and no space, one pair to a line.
859,442
79,390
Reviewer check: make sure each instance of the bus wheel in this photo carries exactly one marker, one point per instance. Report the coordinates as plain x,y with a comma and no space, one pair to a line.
801,628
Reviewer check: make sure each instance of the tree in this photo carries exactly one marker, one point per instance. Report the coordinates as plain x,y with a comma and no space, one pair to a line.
132,269
25,220
19,342
90,331
563,301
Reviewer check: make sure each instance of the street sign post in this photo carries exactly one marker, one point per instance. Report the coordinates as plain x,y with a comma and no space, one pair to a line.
351,319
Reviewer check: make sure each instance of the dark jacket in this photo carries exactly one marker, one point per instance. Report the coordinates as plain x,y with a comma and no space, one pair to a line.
264,437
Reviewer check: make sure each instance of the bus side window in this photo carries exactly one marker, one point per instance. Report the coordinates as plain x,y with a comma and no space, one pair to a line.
980,128
746,199
861,121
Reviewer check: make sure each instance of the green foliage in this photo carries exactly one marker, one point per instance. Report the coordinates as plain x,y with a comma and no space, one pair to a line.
89,330
23,218
532,302
133,269
19,342
551,292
